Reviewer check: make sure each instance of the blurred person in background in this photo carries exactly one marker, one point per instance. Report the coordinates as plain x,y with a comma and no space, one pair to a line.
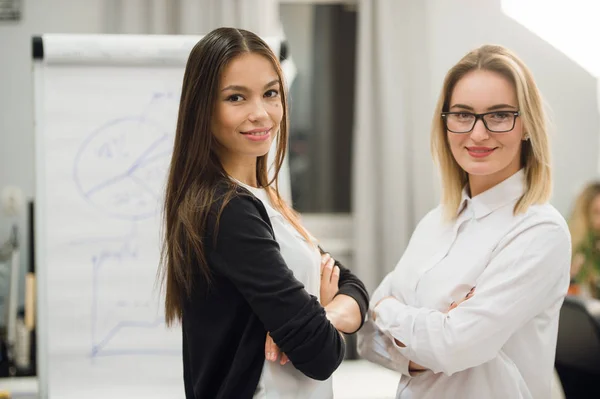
584,225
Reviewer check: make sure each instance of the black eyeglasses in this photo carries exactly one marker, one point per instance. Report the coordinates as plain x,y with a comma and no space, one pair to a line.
495,121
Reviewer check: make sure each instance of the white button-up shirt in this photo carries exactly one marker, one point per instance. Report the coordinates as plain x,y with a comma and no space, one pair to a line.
501,342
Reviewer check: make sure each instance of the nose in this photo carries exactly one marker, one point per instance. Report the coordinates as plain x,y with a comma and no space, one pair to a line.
258,111
479,132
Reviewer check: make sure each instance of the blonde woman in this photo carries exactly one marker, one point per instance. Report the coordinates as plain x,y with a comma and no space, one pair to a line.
585,232
471,309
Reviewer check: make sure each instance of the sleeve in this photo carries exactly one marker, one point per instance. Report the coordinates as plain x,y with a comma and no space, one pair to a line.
351,285
528,274
374,345
246,253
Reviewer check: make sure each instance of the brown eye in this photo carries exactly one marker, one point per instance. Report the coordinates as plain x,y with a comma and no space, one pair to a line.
234,98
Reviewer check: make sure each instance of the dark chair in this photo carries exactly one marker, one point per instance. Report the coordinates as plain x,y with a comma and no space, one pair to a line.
578,348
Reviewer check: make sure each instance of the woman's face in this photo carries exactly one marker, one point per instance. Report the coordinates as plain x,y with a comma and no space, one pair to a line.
248,109
487,157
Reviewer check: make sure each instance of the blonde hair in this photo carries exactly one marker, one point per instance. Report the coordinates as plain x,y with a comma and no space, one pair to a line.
579,222
535,152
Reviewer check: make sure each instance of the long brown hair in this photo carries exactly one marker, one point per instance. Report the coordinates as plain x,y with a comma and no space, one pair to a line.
535,152
195,170
580,220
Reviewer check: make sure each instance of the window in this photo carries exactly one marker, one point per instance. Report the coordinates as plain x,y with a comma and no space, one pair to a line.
322,43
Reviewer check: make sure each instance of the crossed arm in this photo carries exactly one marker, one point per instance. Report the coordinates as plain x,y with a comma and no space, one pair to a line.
344,298
526,276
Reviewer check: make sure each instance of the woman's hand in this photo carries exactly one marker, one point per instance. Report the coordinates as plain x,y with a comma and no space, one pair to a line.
412,366
272,351
330,277
453,305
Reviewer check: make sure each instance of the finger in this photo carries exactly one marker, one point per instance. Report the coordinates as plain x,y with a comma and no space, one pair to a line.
284,359
324,259
268,347
462,300
455,304
330,266
471,293
276,352
271,349
326,272
335,276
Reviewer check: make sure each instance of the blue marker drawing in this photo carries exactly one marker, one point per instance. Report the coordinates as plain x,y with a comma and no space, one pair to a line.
121,322
115,179
120,170
121,167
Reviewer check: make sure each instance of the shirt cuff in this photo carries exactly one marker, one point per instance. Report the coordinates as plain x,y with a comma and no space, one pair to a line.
377,347
395,320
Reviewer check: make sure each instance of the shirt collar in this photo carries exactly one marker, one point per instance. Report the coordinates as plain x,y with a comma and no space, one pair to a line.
501,194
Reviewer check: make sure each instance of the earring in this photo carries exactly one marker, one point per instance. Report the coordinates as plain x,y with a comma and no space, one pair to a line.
526,137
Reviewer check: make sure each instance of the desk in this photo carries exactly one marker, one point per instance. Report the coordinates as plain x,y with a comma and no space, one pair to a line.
21,387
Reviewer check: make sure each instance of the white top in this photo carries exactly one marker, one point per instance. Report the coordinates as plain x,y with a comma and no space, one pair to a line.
285,382
501,342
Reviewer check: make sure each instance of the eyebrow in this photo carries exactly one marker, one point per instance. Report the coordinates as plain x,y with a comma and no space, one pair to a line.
492,108
244,88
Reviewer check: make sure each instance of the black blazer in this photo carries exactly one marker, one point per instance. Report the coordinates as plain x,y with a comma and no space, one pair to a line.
252,291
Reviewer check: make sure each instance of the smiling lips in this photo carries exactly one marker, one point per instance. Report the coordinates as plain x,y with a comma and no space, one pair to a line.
259,134
480,152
